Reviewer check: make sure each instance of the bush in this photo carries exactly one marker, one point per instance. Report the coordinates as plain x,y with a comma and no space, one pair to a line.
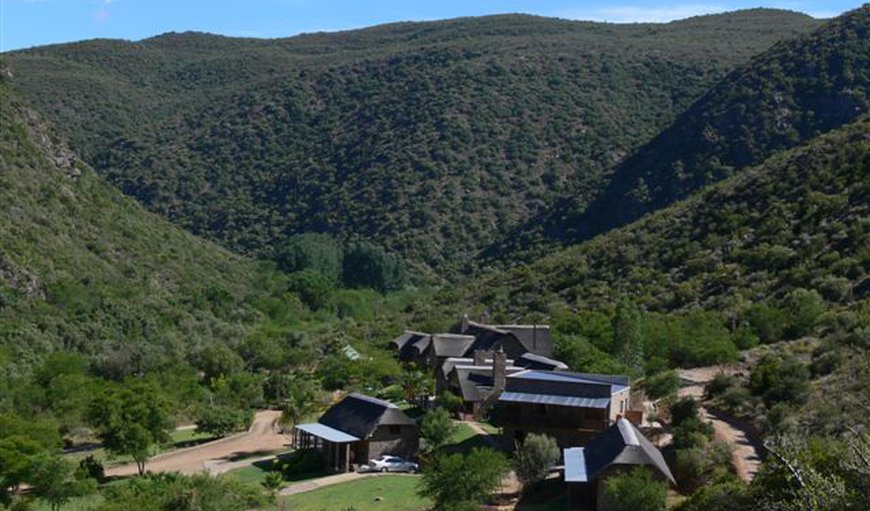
222,420
463,482
780,379
302,462
662,385
635,491
534,458
436,428
90,468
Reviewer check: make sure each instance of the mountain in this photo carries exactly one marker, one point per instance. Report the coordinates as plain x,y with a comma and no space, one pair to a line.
431,139
782,98
798,220
84,268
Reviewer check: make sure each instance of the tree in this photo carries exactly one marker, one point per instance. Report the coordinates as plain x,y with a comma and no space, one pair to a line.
416,387
780,379
437,428
628,335
534,458
313,288
803,308
131,420
219,361
367,265
635,491
662,385
222,420
301,400
16,460
312,251
177,492
459,482
52,480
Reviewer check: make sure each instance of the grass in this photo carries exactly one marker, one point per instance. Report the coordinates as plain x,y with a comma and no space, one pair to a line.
256,472
464,439
77,504
377,493
179,439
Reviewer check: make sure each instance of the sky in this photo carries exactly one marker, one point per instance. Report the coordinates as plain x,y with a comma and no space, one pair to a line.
27,23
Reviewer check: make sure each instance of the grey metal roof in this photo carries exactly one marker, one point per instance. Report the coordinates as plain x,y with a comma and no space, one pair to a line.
325,432
620,444
565,383
575,465
548,399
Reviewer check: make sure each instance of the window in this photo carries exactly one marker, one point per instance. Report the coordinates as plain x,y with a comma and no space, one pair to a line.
622,406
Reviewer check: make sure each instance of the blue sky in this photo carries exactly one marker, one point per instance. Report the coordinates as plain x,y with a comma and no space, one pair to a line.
26,23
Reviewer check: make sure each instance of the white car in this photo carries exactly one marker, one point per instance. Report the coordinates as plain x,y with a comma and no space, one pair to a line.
387,463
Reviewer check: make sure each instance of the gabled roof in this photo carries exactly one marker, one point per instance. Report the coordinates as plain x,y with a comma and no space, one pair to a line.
533,361
411,344
620,444
472,377
451,345
358,415
536,338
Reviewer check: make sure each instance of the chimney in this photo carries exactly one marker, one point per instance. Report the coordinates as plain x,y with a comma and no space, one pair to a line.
499,369
463,325
479,357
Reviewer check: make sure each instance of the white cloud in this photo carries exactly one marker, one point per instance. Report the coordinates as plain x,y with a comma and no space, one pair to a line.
642,14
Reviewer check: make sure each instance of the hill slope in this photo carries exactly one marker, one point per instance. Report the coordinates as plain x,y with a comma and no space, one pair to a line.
84,268
800,219
782,98
429,138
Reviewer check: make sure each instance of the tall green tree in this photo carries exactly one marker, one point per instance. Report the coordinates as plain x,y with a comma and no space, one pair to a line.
635,491
534,457
628,335
131,420
457,482
53,481
436,428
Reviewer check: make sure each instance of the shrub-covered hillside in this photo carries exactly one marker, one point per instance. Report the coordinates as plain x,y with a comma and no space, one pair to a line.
782,98
428,138
84,268
799,220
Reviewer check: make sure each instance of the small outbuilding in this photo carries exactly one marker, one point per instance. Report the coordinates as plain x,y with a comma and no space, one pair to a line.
619,448
357,429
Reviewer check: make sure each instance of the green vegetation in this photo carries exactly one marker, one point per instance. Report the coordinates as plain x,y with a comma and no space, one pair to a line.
375,493
635,491
462,482
429,138
780,99
788,224
437,429
534,458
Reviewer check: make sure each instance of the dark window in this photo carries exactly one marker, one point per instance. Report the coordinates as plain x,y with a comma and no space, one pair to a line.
395,430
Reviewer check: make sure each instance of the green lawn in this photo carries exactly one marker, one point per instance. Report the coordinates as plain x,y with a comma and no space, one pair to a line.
256,472
464,439
396,493
178,440
78,504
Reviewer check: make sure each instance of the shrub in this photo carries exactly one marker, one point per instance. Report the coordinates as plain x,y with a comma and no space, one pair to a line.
635,491
534,458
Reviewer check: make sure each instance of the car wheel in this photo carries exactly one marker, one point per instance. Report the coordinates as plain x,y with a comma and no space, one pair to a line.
384,469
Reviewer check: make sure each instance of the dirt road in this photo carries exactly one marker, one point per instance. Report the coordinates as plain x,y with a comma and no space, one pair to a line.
745,458
262,439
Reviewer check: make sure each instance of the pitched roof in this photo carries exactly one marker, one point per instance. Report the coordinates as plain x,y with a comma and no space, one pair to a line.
472,377
411,344
620,444
533,361
536,338
451,345
358,415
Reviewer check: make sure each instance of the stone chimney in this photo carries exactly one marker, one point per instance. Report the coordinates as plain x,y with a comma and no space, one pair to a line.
479,357
499,369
